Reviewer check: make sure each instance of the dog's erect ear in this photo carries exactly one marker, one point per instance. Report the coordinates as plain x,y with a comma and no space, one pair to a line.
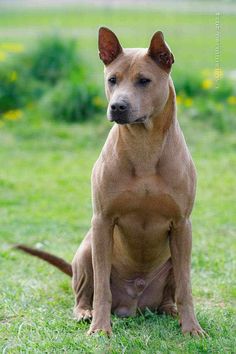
160,52
109,46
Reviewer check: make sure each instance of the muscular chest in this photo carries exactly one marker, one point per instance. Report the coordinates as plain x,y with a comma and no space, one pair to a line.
145,197
144,212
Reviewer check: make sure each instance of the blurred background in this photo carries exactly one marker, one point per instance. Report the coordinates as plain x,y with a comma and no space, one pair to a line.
53,125
47,45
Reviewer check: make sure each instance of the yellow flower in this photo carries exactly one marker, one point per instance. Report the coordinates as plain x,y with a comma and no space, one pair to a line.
98,102
231,100
179,99
13,114
207,84
188,102
13,76
12,47
3,55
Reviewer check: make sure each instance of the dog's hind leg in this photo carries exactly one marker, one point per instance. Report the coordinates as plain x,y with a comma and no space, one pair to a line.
82,281
168,305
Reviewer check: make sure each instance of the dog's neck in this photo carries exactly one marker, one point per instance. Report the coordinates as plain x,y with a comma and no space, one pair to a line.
142,144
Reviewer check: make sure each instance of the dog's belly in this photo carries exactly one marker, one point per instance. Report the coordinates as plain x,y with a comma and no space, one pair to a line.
139,291
141,241
141,252
140,244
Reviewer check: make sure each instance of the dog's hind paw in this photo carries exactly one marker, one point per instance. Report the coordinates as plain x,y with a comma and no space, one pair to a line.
168,310
83,314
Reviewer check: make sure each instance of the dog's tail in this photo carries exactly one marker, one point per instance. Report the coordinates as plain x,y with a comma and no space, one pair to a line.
57,262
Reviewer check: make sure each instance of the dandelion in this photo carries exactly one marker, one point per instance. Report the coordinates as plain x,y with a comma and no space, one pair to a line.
12,47
207,84
3,55
13,76
188,102
15,114
179,99
98,102
232,100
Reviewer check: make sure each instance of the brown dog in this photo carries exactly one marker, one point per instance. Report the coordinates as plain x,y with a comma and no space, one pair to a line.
137,253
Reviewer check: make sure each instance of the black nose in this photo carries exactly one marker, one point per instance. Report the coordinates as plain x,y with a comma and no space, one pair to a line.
119,107
119,112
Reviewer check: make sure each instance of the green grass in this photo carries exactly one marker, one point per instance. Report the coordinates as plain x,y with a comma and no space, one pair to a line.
192,36
45,198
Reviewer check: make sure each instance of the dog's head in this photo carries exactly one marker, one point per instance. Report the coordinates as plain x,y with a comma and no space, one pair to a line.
136,80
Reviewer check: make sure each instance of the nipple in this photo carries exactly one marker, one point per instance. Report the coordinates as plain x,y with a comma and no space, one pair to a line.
139,284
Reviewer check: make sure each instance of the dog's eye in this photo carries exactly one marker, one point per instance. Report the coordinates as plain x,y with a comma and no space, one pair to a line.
112,80
144,81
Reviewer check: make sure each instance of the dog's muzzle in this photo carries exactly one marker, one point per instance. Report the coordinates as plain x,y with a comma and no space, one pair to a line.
119,112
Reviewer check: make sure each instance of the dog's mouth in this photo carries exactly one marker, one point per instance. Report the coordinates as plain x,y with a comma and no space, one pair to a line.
139,120
124,121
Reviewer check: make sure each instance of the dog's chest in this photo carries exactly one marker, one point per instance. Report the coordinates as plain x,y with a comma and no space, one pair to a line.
145,197
144,212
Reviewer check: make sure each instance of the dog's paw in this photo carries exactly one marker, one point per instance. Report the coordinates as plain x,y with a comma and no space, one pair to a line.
102,329
168,310
83,314
194,329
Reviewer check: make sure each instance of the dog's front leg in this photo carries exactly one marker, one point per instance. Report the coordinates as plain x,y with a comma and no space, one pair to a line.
102,230
181,246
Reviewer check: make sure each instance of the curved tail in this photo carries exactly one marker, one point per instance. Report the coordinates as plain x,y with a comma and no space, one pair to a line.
57,262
